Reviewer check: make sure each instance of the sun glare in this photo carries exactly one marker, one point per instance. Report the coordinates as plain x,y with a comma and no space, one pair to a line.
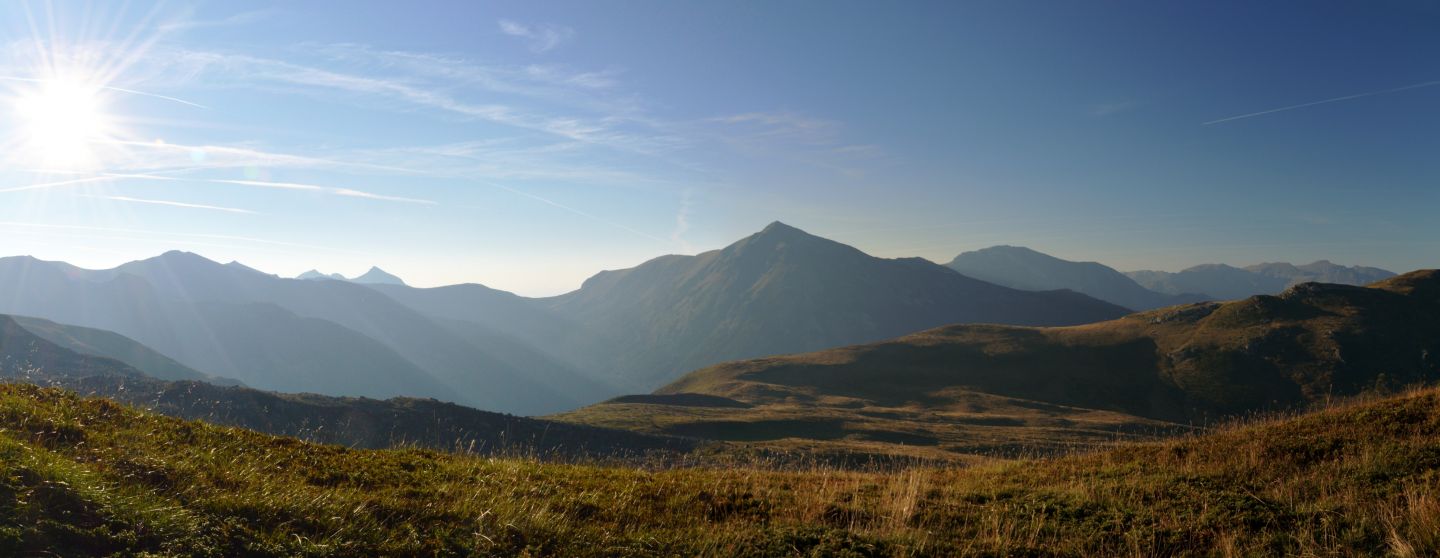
60,119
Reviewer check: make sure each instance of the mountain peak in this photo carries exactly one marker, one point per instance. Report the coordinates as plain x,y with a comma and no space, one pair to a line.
778,228
315,274
174,258
378,276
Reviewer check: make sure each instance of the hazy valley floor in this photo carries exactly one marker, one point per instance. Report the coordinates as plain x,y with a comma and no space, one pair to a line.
91,477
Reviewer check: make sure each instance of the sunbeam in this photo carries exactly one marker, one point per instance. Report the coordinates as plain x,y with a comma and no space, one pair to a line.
58,119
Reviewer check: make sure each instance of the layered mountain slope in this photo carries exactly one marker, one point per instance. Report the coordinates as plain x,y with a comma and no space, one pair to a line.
1022,268
30,358
325,336
1188,363
487,369
1226,282
98,342
780,291
1183,363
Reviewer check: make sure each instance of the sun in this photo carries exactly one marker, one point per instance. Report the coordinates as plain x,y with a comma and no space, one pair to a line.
60,120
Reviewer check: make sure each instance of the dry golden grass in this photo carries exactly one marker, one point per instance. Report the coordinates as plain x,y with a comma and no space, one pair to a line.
89,477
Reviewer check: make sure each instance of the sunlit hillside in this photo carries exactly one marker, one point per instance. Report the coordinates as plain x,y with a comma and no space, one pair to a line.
89,477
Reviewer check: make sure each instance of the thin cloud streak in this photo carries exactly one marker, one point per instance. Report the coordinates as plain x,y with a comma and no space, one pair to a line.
559,205
1322,102
46,185
173,204
323,189
116,89
17,224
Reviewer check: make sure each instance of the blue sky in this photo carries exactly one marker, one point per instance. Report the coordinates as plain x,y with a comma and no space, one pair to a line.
527,145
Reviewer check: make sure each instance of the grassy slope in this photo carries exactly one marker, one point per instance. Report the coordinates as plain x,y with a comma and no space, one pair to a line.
1177,363
986,389
968,427
90,477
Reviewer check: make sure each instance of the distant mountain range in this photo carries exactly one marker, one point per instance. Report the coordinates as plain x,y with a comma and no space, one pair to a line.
778,291
327,337
1196,362
1225,282
375,276
1022,268
27,356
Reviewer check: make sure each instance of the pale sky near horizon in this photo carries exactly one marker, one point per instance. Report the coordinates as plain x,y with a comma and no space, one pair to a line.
528,145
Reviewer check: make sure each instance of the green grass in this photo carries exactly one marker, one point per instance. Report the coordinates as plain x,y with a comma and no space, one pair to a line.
91,477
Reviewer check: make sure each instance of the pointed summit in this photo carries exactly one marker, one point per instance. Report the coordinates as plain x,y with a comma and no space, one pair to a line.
377,276
778,228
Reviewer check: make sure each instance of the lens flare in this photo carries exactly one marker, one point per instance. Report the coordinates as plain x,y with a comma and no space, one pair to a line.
60,119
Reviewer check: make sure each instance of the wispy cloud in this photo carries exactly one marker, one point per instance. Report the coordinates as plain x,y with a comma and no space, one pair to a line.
54,184
243,18
540,38
95,229
1108,109
171,204
346,192
682,221
316,188
796,137
607,129
112,88
1323,101
558,205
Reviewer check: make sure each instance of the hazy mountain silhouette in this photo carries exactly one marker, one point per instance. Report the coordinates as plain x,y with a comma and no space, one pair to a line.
328,337
28,357
1188,362
1022,268
1220,281
1227,282
316,275
1322,271
101,343
780,291
375,276
362,422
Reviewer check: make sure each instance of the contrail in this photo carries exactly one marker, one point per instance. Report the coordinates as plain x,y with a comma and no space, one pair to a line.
99,177
173,204
118,89
1313,103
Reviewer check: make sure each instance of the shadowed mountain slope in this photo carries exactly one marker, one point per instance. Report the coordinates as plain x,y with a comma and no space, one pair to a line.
1195,362
1182,363
779,291
101,343
362,422
1022,268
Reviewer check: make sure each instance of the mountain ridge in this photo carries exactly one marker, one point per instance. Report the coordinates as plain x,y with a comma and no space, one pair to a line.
1188,364
1228,282
781,290
1024,268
